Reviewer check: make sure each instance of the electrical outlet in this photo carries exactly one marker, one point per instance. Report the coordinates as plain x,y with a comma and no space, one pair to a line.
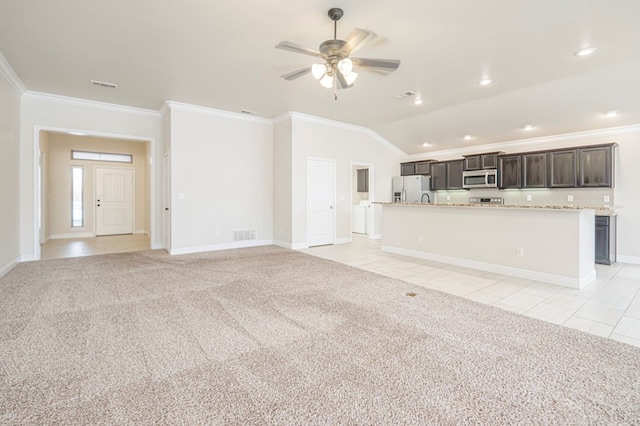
529,198
569,197
520,251
419,238
607,199
448,197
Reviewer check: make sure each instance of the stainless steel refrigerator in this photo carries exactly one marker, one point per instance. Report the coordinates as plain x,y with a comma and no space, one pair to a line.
411,189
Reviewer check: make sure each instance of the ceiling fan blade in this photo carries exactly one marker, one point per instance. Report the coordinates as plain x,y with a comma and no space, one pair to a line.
356,39
296,74
293,47
387,65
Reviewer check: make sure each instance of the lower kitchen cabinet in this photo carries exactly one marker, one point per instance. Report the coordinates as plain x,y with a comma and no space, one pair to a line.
605,240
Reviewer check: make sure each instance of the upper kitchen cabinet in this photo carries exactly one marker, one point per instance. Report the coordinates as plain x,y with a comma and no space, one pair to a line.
407,169
439,176
422,167
481,161
595,166
363,180
562,168
534,170
509,171
454,174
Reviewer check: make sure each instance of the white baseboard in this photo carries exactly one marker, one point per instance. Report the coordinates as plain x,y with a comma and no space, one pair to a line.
5,269
140,231
222,246
84,234
375,237
343,240
157,246
499,269
635,260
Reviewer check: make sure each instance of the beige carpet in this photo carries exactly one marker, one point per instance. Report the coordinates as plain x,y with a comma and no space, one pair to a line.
271,336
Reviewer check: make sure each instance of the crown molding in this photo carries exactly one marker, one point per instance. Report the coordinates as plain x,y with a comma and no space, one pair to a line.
529,143
346,126
217,112
48,97
7,71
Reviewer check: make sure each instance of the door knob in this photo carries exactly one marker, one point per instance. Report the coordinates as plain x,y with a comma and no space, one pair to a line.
166,208
98,205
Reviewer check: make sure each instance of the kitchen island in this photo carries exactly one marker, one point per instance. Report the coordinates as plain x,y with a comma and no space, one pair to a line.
547,244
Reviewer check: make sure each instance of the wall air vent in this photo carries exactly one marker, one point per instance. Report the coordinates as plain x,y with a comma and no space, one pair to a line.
243,235
104,84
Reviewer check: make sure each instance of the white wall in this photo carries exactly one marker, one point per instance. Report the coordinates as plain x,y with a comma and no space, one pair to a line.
627,175
221,178
282,181
48,112
9,175
346,144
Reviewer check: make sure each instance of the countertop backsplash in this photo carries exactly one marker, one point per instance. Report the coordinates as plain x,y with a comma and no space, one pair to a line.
582,197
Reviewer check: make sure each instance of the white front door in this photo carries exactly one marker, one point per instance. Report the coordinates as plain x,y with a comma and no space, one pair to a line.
114,201
320,202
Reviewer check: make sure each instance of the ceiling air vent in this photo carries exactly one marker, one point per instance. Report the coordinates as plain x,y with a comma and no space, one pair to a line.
245,111
104,84
406,94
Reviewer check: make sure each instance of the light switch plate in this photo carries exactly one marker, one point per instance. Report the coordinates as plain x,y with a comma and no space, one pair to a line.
529,198
607,199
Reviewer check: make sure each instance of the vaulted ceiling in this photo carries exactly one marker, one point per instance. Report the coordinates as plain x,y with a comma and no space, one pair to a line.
221,54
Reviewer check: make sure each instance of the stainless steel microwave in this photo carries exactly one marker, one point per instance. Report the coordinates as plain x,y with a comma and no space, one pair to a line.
487,178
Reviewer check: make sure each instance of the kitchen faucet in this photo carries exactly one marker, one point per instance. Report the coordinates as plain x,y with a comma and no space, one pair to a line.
428,198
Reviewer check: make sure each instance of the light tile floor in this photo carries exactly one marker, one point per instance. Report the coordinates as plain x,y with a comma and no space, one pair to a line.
76,247
609,307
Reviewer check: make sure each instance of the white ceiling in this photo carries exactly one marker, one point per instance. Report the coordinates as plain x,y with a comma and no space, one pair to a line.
221,54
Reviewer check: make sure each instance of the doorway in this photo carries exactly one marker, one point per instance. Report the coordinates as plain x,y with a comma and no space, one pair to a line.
362,210
71,220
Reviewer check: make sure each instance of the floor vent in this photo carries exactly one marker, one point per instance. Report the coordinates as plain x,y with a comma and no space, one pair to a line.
243,235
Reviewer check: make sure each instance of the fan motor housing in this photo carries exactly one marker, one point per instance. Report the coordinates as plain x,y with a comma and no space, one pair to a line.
334,48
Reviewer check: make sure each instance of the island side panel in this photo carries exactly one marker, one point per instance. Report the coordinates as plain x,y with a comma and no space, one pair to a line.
556,245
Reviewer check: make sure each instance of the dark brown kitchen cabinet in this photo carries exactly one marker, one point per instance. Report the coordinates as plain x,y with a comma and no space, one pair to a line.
534,170
605,240
438,176
422,167
363,180
562,168
481,161
509,171
454,174
595,166
407,169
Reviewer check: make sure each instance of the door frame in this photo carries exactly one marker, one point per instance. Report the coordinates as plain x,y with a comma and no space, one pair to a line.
37,204
308,210
371,212
166,201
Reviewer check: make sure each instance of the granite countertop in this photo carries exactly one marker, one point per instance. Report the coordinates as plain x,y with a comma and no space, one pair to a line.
600,211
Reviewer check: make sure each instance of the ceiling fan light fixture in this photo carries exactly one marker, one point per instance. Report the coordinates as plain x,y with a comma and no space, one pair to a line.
345,66
327,81
351,78
318,70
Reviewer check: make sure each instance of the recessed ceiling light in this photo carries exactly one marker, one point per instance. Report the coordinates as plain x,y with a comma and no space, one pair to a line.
586,51
612,113
418,101
485,81
426,144
467,137
528,127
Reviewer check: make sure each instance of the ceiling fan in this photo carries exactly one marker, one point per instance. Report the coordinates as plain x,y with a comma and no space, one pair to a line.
337,70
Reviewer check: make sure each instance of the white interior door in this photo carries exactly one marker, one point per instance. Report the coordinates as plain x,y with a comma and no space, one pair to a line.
114,201
166,203
320,202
